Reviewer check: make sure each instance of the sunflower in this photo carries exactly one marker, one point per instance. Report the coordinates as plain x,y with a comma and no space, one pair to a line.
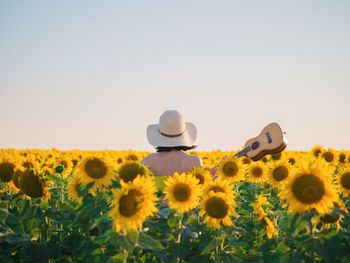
130,170
133,203
218,185
342,157
119,160
231,168
262,215
276,156
73,188
30,162
344,179
7,169
278,172
97,170
202,175
31,184
218,207
133,156
256,172
258,206
317,150
330,156
270,227
182,192
310,187
246,160
292,157
291,160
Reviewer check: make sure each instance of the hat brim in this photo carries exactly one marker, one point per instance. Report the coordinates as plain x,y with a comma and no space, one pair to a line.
188,138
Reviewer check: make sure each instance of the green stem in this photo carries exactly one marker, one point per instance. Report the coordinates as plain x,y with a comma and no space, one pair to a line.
62,202
223,240
178,239
179,230
126,254
313,240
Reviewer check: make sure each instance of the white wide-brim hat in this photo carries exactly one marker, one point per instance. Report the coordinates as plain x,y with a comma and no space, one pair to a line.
171,131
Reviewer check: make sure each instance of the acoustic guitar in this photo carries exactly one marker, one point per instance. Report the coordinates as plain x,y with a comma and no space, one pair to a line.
270,140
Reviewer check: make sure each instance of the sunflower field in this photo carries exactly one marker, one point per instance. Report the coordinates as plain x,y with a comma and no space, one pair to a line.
106,206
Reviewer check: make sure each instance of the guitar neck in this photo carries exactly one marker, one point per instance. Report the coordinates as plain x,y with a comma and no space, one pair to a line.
244,151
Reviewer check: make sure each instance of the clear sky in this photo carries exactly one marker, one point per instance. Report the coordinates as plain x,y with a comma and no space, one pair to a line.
94,74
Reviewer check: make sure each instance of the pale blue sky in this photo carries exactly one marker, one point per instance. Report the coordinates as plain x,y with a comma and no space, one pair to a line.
94,74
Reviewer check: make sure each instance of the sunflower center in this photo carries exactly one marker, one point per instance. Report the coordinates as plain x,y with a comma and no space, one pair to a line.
75,162
182,192
217,189
132,157
131,203
246,160
95,168
264,160
129,172
200,177
276,156
64,164
216,207
6,171
257,171
317,152
28,165
329,219
308,189
291,161
280,173
31,184
328,156
342,157
345,180
230,169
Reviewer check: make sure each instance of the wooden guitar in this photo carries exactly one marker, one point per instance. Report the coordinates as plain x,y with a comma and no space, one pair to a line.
270,140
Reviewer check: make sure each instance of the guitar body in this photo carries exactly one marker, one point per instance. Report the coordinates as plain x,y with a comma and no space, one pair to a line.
270,140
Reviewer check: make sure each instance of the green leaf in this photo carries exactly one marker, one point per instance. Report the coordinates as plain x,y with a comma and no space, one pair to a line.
117,258
123,242
147,242
14,239
172,221
207,244
322,252
298,224
133,236
3,215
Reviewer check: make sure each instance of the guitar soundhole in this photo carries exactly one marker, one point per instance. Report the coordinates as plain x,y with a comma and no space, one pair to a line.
255,145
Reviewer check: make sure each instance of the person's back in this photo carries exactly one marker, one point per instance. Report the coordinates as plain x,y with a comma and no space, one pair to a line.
171,137
167,163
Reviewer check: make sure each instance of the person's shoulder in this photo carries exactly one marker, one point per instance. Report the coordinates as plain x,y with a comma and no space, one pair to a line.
148,159
197,161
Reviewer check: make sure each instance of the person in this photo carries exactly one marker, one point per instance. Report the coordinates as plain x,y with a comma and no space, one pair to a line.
171,137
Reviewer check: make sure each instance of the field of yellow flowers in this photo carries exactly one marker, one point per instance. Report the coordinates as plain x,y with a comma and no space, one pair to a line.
106,206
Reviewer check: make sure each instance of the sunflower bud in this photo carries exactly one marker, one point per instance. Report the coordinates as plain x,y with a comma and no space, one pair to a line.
59,169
